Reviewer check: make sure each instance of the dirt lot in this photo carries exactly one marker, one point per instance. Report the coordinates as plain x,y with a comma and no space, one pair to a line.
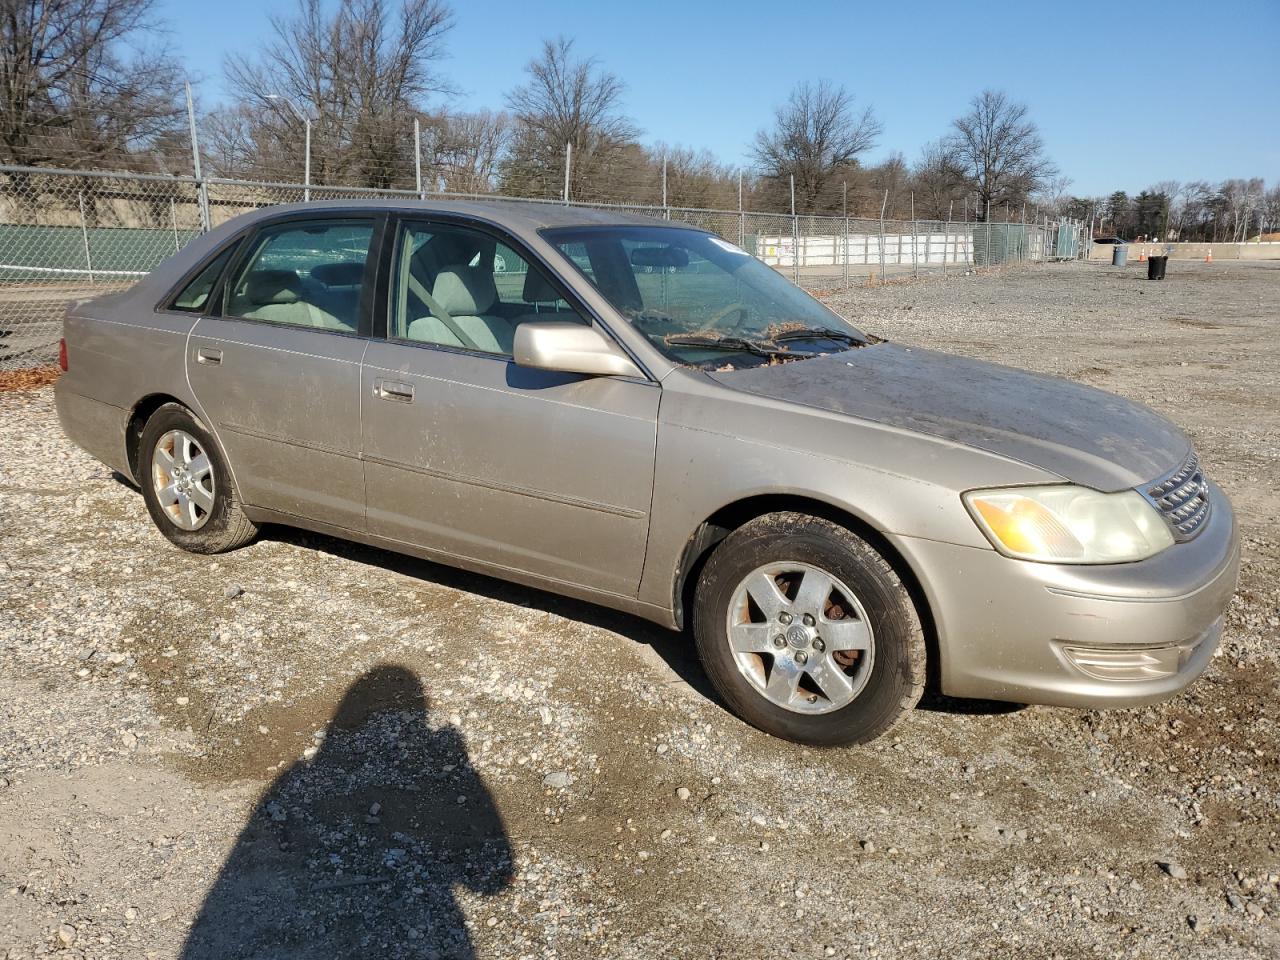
306,749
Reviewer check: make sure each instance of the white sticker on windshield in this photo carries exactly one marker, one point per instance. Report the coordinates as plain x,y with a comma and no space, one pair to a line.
728,247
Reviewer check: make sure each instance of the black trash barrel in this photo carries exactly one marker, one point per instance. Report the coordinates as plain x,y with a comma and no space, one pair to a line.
1156,267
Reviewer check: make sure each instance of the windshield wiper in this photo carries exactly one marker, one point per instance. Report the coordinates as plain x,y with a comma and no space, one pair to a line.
730,344
818,333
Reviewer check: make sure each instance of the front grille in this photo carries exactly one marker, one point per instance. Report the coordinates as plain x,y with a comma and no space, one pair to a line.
1182,498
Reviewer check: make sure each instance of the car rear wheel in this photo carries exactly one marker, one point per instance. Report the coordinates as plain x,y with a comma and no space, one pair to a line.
187,486
807,633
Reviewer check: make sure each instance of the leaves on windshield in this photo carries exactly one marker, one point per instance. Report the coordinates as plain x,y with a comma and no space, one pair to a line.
774,330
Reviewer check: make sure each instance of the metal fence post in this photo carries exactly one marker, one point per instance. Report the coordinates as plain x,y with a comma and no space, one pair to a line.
883,203
946,237
928,240
173,219
666,210
306,167
988,234
795,235
202,190
915,230
417,158
742,216
845,190
84,235
568,161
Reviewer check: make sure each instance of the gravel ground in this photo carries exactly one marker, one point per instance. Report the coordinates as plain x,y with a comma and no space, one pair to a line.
309,749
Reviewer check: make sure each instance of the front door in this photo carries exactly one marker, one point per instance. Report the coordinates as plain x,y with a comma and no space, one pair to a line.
469,454
277,373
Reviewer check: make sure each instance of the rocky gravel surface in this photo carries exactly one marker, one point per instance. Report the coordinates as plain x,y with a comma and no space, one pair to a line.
310,749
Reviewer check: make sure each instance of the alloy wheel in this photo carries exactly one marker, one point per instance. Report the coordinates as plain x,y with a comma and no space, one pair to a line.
800,637
182,477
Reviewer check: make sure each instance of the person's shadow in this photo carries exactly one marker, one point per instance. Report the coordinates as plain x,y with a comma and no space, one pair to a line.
356,852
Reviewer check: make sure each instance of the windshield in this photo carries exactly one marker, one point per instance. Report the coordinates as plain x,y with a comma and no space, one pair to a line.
700,299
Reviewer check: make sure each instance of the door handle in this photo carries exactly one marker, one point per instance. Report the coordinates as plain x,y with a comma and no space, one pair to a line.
208,355
394,390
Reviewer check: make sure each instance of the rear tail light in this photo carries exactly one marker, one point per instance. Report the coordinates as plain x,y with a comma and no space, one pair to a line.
62,354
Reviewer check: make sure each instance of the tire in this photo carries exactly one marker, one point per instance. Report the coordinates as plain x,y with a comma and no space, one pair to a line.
205,516
785,676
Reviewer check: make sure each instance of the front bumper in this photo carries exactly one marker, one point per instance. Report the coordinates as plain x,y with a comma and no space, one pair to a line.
1115,635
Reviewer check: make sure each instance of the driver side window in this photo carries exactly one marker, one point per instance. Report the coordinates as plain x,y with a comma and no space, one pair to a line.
459,287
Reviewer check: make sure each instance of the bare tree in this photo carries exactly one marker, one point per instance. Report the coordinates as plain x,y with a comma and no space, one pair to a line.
79,88
1242,199
1052,196
695,178
1000,150
1271,213
817,136
361,73
938,181
887,186
465,150
233,141
566,100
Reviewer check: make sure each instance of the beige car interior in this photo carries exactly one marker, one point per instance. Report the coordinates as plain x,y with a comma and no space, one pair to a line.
277,296
459,303
323,295
449,294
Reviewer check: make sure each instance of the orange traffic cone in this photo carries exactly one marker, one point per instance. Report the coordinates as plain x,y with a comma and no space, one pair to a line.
1208,257
1142,256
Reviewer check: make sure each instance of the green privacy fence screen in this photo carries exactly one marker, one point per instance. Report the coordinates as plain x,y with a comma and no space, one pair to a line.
37,252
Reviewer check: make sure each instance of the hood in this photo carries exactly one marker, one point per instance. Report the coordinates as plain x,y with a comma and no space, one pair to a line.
1084,435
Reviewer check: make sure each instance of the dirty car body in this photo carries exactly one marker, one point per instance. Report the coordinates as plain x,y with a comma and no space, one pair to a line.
605,406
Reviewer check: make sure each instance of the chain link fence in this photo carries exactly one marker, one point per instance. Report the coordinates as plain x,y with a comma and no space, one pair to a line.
66,235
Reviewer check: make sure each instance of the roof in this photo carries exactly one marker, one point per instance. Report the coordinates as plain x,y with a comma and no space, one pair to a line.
522,218
518,214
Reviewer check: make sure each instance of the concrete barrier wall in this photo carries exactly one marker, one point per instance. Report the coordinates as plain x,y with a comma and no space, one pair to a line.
864,249
1270,250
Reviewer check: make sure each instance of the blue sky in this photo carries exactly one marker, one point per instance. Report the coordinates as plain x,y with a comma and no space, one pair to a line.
1125,93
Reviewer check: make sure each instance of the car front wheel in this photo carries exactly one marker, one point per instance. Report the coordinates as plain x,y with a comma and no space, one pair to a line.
807,632
187,486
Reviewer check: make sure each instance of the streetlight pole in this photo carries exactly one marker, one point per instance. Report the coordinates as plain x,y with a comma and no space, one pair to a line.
306,120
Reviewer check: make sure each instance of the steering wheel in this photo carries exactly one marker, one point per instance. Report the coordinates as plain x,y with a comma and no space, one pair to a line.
721,314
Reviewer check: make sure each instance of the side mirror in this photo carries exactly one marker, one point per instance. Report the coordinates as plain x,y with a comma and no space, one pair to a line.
570,348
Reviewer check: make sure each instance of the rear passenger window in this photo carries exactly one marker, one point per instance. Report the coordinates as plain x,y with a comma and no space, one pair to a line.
195,295
462,288
304,275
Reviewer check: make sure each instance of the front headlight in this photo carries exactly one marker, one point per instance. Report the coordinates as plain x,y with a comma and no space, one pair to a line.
1069,524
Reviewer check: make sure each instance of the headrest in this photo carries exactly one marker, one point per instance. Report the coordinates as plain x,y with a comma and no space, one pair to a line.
464,291
344,274
273,286
538,289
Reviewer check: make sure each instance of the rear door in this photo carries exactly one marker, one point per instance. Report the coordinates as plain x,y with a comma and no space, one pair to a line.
468,453
276,370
